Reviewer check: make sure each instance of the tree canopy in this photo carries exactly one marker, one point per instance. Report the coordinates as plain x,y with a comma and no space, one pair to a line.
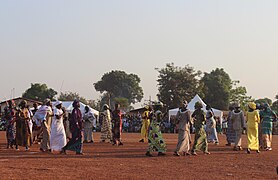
217,88
71,96
275,104
119,84
176,84
239,94
39,92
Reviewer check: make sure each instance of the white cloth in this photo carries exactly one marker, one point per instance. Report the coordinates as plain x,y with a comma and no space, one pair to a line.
40,114
57,134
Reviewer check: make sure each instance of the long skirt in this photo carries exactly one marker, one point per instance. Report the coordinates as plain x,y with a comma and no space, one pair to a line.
22,134
57,136
212,135
117,132
253,138
106,132
75,143
155,139
144,129
88,134
230,133
183,141
10,134
238,138
200,142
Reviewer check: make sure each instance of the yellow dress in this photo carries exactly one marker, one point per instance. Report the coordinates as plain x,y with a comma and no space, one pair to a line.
253,120
145,125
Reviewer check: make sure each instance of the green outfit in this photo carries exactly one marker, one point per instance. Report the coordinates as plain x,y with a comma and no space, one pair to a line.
267,117
200,142
155,139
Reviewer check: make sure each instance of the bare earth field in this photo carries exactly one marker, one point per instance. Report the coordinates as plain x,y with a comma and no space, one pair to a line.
104,161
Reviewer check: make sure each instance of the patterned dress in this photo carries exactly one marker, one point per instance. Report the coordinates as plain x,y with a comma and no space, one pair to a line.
267,117
200,142
9,116
155,139
231,135
117,125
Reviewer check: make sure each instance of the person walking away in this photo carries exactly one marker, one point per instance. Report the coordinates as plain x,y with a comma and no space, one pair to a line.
238,123
88,119
155,139
36,130
253,120
267,117
145,125
57,134
230,131
200,141
9,116
183,125
22,127
117,125
211,126
47,112
76,125
106,129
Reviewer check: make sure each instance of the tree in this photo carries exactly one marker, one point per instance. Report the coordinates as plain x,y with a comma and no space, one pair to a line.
239,94
71,96
176,84
39,92
124,103
116,84
217,88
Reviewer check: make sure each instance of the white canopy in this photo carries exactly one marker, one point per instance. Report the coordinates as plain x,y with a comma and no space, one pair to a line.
69,107
191,104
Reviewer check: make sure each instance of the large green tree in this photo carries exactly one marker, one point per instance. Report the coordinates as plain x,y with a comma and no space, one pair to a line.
217,88
119,84
39,92
176,84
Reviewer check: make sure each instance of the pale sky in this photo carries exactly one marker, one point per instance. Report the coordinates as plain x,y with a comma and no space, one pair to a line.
76,42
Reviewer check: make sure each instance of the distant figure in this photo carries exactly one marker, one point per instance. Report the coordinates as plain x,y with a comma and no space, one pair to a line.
89,119
230,134
211,126
47,107
22,127
183,125
253,120
117,125
145,124
106,129
9,116
238,124
200,142
76,125
267,117
155,139
57,134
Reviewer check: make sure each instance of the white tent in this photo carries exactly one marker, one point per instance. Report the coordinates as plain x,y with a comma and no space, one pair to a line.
191,104
69,107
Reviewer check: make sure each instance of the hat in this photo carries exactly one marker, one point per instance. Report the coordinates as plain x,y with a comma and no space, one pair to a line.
57,103
252,105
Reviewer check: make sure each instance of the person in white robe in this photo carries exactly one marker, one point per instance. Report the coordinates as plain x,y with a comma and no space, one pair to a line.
89,122
58,135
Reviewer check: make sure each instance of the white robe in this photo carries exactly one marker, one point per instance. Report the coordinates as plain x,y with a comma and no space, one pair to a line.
57,134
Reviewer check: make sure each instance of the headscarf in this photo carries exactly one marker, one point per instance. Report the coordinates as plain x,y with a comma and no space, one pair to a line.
252,105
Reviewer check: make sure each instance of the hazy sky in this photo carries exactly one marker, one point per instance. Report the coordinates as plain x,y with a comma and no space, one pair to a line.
78,41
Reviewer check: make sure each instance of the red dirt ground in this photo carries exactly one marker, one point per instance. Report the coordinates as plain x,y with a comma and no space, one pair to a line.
104,161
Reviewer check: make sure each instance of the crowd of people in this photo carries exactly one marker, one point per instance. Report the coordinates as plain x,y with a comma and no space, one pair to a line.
58,130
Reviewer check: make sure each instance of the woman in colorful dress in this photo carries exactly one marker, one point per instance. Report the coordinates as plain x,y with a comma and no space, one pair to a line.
253,120
117,125
155,139
145,124
267,117
76,126
57,134
9,116
200,142
106,127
